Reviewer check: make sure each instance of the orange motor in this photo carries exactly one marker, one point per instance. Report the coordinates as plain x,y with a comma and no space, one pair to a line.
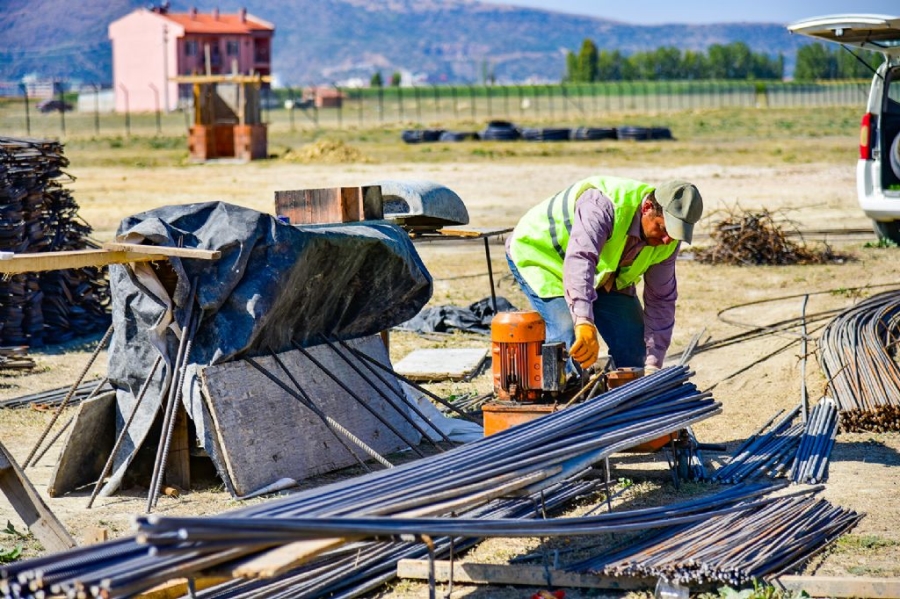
516,341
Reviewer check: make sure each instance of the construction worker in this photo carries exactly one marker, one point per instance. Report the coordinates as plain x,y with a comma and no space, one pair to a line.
578,255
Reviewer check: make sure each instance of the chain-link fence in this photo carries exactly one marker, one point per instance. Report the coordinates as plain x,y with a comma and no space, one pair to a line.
442,105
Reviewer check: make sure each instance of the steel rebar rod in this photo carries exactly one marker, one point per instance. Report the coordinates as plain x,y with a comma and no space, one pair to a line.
27,462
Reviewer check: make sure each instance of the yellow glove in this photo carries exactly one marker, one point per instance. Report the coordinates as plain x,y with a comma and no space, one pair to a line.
586,346
650,370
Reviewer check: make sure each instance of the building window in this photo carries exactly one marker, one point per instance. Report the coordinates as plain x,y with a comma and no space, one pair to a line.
190,48
232,48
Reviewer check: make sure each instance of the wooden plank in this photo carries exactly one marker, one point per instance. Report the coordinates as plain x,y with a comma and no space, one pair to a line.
178,464
87,447
441,364
158,250
534,575
330,205
265,434
517,574
179,587
42,523
20,263
840,586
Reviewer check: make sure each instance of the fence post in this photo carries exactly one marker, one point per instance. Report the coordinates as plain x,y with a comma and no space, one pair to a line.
437,101
418,104
62,106
455,103
127,111
156,104
27,111
96,88
472,100
380,104
400,103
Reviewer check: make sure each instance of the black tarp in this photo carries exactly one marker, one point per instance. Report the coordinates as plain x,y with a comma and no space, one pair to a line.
273,283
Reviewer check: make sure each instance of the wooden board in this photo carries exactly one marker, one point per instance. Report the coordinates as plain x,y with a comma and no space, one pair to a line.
536,575
87,447
330,205
71,259
265,434
441,364
517,574
30,507
174,252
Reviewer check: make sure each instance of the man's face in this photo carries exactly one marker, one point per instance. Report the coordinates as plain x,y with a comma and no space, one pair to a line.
653,226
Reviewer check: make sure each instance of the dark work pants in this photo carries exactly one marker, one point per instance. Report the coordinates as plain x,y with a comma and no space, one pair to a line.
619,318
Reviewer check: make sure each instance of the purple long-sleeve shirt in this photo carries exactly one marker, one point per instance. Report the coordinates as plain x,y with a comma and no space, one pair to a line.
591,228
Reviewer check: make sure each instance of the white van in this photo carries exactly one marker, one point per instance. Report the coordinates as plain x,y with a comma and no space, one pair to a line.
878,169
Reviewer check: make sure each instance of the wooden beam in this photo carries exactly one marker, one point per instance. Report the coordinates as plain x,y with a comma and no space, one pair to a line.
534,575
179,587
840,586
178,467
20,263
164,250
517,574
30,507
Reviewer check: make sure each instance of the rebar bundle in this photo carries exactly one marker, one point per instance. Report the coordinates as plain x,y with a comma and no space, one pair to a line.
734,549
855,353
798,451
523,459
54,397
37,214
811,462
766,453
754,238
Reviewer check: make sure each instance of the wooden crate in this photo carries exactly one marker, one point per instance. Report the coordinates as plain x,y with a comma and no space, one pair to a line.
330,205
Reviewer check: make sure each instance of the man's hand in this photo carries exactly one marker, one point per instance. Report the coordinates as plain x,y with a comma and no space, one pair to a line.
586,346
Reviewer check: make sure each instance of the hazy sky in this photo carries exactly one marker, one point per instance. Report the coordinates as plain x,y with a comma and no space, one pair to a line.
653,12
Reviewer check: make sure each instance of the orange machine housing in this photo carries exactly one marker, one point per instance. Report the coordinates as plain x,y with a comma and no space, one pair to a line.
516,340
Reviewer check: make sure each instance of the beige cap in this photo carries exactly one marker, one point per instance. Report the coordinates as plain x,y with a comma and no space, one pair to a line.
682,207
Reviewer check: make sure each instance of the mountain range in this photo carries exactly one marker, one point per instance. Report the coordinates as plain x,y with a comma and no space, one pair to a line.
328,41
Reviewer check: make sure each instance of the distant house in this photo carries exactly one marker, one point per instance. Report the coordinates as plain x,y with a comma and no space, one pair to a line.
150,46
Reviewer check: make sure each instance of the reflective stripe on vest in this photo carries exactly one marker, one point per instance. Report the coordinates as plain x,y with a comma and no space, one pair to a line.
538,244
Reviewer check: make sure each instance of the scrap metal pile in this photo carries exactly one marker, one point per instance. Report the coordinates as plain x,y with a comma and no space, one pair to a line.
756,238
857,353
37,214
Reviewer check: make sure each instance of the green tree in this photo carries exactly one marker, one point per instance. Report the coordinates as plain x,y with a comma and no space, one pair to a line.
571,67
815,61
376,80
396,77
587,61
610,66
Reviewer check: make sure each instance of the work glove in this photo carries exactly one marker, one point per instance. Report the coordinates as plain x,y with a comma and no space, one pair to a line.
586,347
650,370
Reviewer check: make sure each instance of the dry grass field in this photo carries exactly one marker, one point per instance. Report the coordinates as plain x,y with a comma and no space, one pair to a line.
798,164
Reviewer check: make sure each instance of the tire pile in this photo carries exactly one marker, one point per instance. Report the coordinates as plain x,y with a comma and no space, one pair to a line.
38,215
507,131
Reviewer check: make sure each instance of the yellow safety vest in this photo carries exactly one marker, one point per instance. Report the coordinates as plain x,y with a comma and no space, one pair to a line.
538,244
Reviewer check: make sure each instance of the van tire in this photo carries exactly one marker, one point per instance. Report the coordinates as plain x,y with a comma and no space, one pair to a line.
895,156
887,230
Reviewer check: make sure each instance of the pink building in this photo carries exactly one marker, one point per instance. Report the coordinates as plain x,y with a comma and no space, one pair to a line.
151,46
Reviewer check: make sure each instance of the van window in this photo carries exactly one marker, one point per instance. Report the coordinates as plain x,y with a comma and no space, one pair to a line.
892,91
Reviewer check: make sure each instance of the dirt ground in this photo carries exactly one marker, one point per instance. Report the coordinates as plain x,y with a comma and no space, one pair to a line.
865,471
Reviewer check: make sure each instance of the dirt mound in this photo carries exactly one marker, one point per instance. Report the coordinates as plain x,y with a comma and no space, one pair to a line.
326,150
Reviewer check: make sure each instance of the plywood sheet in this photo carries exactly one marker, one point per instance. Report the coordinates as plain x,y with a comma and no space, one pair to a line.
265,434
87,447
441,364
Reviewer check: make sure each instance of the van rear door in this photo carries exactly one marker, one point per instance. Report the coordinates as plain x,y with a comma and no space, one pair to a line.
878,33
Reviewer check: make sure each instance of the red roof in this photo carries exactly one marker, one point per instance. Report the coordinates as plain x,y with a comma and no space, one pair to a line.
221,23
